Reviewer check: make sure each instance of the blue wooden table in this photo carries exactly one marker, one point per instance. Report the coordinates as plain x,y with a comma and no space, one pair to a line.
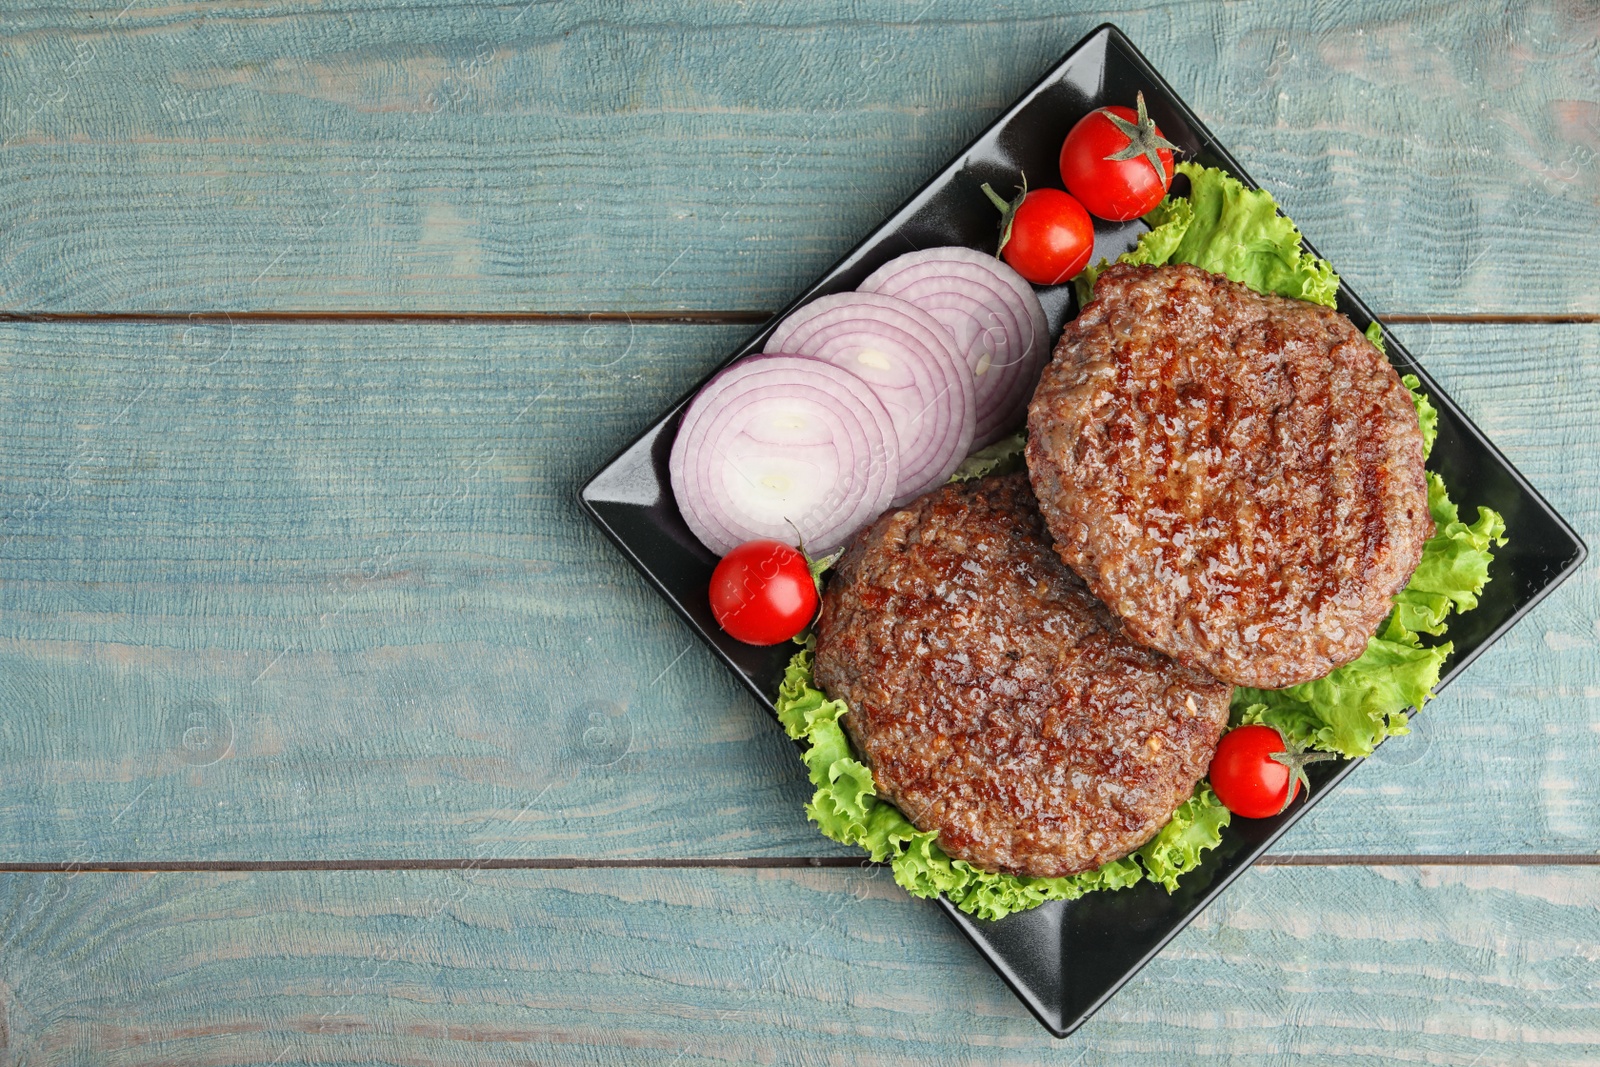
331,733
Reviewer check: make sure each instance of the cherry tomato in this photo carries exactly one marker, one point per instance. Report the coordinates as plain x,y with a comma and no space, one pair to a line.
1108,162
1051,238
1256,774
763,593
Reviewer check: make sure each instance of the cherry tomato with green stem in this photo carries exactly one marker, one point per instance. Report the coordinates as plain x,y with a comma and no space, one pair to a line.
1116,162
763,592
1256,773
1045,235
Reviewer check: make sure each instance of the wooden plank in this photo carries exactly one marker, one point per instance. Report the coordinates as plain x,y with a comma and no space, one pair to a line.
330,595
1349,966
322,592
691,154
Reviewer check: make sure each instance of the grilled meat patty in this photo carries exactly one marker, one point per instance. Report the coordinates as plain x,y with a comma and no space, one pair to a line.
1238,477
995,700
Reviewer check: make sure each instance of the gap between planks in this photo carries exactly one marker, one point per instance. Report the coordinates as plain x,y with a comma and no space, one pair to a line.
1526,859
690,318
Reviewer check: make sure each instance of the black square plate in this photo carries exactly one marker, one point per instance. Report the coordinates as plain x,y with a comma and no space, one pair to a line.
1064,960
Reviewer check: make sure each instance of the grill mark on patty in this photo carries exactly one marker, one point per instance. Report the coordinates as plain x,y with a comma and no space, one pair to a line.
994,699
1239,477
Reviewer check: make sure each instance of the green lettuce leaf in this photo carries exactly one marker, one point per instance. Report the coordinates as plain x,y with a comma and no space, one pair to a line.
1238,232
1359,704
1454,567
1002,457
1175,850
847,809
1169,222
1427,414
1230,230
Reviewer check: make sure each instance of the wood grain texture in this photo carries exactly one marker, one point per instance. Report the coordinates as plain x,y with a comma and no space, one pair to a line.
277,592
1488,967
600,155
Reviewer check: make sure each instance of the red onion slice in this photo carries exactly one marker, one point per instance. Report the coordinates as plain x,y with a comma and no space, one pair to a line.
776,439
909,360
993,315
